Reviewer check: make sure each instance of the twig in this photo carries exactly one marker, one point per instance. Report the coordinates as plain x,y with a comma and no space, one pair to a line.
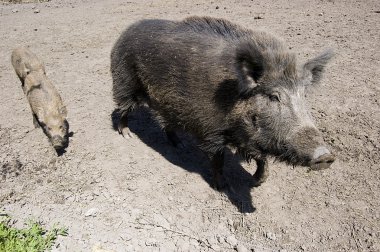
175,232
354,237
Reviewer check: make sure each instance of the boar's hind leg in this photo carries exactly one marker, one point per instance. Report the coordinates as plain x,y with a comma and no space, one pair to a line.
261,173
128,93
217,162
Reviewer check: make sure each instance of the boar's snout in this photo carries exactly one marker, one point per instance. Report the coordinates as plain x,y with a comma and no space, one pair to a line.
59,142
309,149
322,159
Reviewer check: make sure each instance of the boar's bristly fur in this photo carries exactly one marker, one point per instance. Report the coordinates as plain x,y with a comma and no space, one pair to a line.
227,85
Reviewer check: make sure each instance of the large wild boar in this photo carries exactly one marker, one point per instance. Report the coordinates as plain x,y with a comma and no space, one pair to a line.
46,103
227,85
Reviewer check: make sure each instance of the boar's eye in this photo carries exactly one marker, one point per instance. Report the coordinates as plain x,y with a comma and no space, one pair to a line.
274,97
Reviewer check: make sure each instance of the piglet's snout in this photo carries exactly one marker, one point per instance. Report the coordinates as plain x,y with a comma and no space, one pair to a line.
322,159
58,142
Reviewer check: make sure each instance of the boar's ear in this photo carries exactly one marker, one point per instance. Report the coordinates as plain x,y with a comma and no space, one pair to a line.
316,66
249,66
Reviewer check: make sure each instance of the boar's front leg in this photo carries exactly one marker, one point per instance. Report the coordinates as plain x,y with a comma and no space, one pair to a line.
217,162
261,173
123,125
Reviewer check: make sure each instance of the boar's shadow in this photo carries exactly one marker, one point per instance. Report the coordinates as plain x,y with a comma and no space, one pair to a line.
190,157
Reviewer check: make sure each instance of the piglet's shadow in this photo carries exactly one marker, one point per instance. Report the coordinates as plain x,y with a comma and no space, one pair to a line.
191,158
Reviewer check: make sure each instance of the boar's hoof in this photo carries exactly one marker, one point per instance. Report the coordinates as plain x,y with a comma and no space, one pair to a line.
125,132
261,173
255,182
322,162
122,126
257,179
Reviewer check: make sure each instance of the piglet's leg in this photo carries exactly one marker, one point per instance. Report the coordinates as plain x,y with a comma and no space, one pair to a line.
35,122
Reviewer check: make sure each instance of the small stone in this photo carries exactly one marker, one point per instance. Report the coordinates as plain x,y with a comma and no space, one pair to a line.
270,236
168,246
151,242
98,248
118,224
91,212
220,238
36,11
135,213
231,240
215,247
161,221
241,248
135,242
14,10
212,240
132,188
183,245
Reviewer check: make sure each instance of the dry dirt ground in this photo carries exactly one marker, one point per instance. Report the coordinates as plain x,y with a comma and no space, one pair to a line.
142,194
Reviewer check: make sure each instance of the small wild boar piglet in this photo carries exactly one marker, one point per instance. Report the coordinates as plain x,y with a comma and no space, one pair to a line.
44,99
227,85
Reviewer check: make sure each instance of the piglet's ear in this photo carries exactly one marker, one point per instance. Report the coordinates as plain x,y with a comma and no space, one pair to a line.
40,114
63,111
315,67
249,66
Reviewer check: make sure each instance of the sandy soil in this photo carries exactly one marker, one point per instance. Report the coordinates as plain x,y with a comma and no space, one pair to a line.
142,194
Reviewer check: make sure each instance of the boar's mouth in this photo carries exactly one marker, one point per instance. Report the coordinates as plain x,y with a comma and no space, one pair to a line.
316,163
321,159
322,162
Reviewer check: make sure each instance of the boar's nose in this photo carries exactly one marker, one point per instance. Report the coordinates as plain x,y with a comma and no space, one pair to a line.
322,159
